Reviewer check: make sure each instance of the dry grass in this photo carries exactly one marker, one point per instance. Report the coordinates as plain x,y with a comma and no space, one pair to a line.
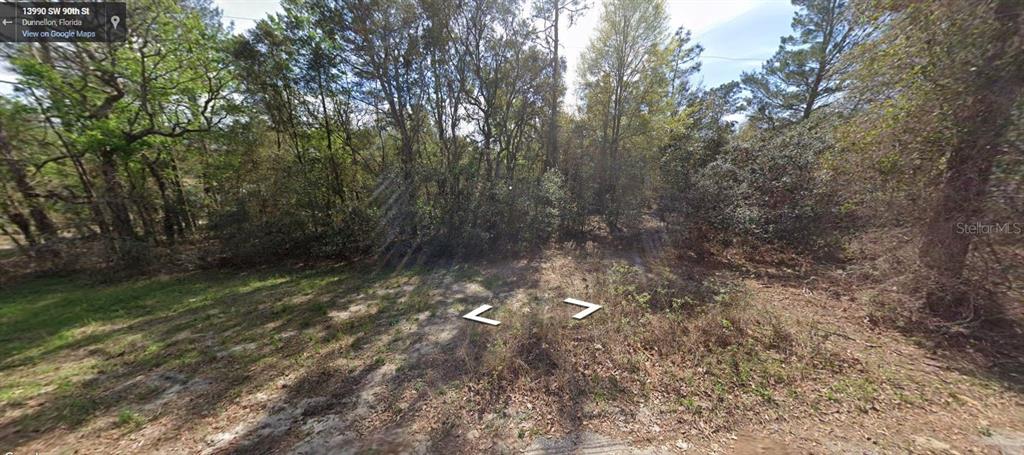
687,350
369,360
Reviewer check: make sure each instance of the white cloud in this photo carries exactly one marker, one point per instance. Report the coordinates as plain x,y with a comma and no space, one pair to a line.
702,15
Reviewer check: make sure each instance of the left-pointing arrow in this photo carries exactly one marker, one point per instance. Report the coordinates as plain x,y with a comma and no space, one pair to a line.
475,315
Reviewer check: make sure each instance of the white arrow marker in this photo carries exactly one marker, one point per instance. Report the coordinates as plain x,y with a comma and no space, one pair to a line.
475,315
590,308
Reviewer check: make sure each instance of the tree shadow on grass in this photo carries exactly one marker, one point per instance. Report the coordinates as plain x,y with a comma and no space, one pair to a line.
989,346
366,359
379,406
198,353
189,334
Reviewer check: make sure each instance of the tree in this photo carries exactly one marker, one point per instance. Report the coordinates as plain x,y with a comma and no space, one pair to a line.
112,104
683,64
15,113
384,40
699,135
805,74
553,13
505,92
627,71
940,83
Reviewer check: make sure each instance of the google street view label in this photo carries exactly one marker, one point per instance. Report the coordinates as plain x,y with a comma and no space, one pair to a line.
72,22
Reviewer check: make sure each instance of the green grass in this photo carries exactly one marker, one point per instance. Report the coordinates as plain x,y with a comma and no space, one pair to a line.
130,420
43,316
71,340
861,392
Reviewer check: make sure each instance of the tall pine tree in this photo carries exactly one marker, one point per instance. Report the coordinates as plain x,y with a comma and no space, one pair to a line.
804,74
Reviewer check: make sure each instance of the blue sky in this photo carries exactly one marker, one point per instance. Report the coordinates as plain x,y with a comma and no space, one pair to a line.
744,42
737,35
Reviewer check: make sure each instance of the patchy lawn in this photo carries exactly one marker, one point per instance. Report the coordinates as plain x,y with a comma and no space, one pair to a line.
709,357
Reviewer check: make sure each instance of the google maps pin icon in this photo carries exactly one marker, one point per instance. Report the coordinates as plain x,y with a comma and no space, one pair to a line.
115,20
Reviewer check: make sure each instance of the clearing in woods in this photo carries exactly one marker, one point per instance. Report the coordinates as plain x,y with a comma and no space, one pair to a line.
729,357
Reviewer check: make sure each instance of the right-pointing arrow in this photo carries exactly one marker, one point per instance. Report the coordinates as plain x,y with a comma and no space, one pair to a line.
475,315
590,308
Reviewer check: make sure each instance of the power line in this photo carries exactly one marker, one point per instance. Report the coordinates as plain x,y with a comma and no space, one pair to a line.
735,59
239,17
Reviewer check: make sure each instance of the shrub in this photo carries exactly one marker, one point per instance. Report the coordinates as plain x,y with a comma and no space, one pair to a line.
771,188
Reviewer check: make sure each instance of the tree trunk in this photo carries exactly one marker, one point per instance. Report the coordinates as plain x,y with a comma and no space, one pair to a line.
551,159
969,167
408,217
17,243
115,198
944,249
170,221
143,206
186,220
42,221
21,221
87,187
